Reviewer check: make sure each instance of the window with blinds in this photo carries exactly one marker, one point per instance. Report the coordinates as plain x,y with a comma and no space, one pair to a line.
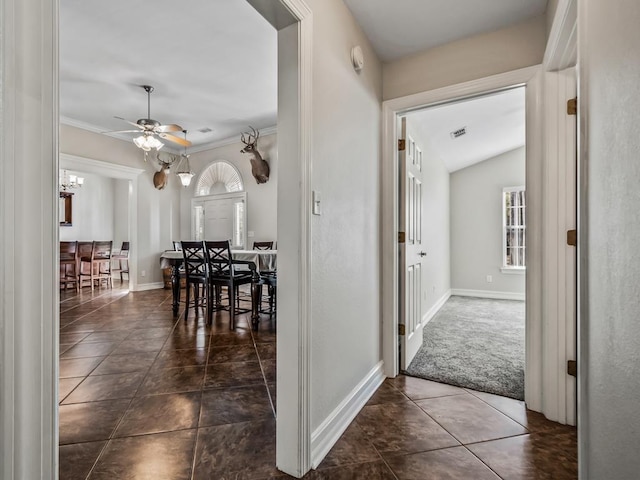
514,227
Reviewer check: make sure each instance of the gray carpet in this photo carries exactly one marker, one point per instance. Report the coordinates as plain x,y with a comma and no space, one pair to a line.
475,343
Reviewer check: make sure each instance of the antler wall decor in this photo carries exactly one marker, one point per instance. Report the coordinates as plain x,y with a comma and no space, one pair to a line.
161,177
259,166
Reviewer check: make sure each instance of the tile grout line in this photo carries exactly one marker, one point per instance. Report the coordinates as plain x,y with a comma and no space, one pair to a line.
264,377
461,444
105,357
108,441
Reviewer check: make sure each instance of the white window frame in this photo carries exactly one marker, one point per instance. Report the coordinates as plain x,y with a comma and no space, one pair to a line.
511,268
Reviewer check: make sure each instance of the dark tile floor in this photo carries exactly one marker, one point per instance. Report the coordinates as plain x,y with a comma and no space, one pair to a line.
147,396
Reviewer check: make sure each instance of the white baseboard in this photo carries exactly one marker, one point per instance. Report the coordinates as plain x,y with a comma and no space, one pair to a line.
436,306
461,292
147,286
328,433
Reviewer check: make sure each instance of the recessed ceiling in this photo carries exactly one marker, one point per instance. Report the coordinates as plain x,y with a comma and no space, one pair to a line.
213,64
402,27
494,123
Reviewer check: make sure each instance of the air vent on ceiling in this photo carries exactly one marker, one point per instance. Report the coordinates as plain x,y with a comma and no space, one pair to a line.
458,133
205,130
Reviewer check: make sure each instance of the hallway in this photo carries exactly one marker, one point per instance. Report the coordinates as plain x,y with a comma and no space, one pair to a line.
143,395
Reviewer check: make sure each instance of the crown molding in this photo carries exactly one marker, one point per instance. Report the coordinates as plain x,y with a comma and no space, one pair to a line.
229,140
194,149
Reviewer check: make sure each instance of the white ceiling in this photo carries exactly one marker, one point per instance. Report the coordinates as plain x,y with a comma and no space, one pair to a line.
213,64
397,28
495,124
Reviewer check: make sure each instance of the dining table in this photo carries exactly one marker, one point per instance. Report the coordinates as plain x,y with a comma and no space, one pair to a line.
264,261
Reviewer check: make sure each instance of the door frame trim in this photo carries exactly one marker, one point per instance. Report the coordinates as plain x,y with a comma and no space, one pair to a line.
531,78
293,363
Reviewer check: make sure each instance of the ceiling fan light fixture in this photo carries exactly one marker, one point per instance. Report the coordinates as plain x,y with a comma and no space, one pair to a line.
148,142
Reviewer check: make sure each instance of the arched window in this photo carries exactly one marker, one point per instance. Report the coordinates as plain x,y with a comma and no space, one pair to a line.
219,177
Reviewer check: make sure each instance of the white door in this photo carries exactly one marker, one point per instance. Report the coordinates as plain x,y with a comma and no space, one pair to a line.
220,217
412,252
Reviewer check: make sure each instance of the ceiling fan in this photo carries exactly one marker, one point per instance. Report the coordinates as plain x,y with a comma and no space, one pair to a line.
151,129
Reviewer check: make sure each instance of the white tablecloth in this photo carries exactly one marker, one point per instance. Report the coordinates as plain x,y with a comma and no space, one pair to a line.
265,260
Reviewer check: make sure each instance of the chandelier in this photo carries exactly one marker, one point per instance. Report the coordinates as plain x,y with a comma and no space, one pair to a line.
68,181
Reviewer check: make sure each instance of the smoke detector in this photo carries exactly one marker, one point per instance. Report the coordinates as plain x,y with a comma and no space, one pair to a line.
205,130
458,133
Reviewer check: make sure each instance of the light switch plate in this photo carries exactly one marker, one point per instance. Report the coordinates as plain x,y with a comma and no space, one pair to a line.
316,203
250,234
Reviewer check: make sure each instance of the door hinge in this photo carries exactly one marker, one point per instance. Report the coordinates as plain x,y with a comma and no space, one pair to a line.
572,238
401,144
401,329
572,106
400,237
572,368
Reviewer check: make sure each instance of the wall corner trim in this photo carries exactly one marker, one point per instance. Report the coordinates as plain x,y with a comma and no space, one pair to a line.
328,433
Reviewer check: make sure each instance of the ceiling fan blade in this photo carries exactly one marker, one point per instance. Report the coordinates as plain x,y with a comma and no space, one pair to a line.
130,123
174,139
168,128
122,131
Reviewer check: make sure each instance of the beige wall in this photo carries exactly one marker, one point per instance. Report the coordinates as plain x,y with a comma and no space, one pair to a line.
476,223
262,208
511,48
345,238
609,417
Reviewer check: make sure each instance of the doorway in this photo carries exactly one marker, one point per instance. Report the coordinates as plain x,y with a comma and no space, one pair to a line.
547,387
126,186
30,322
530,78
464,226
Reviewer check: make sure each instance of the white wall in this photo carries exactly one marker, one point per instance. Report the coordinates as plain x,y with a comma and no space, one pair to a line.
609,69
476,223
436,276
92,210
510,48
345,238
262,208
158,210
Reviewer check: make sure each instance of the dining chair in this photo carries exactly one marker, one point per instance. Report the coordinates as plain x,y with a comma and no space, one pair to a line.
69,264
195,272
98,264
270,280
263,245
222,273
122,259
84,269
271,283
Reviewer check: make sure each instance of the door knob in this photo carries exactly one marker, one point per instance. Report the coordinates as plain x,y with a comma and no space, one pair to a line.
422,254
